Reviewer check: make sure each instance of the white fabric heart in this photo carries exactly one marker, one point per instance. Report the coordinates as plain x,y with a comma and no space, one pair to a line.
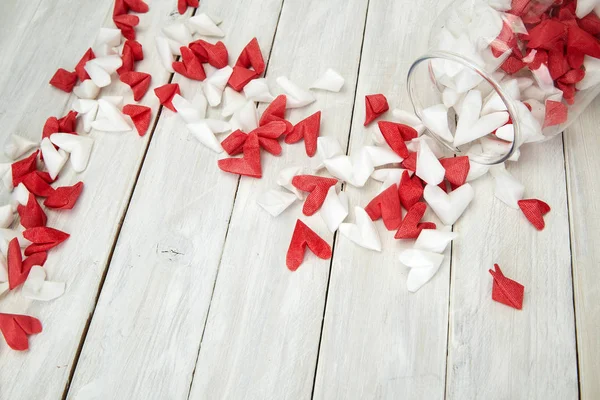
428,166
204,25
164,53
232,101
87,110
584,7
204,131
355,169
100,69
6,175
53,159
334,209
388,177
109,118
214,85
106,40
79,148
179,33
382,155
435,118
406,118
17,145
7,215
508,189
435,240
327,147
86,90
296,96
483,126
187,111
330,81
245,119
37,288
258,90
448,206
284,179
276,201
423,266
363,232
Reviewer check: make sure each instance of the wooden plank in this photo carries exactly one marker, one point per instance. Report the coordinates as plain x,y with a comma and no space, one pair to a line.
379,340
581,144
496,352
144,337
62,34
262,333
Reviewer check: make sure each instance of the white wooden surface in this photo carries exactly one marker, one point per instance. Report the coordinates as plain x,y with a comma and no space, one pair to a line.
190,310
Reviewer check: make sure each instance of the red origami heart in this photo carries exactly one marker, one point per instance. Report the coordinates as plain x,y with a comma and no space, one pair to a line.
43,239
410,162
546,34
123,6
31,214
395,135
307,129
304,236
64,197
18,269
166,93
556,113
132,51
140,115
410,190
190,66
126,23
317,186
268,135
182,5
276,112
534,211
250,57
214,54
234,143
580,40
505,290
376,105
64,80
138,81
410,227
65,124
15,329
37,182
386,205
457,169
79,68
137,51
23,167
249,164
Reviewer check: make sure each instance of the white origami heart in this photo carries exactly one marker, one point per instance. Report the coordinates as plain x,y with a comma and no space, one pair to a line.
296,96
107,37
79,148
179,33
327,147
448,206
214,85
37,288
20,195
363,232
257,90
476,170
284,179
232,101
435,118
506,132
187,111
449,97
245,119
409,119
17,145
6,175
423,266
334,209
164,53
6,235
7,215
87,111
204,133
483,126
592,73
389,177
330,81
428,166
494,103
276,201
110,118
382,155
205,26
86,90
54,159
434,240
99,69
355,170
508,189
584,7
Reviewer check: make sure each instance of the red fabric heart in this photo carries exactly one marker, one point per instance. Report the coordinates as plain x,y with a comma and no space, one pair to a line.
410,190
268,135
123,7
410,162
307,129
43,238
270,145
18,269
128,63
573,76
64,80
580,40
457,169
558,65
512,65
64,197
505,290
214,54
234,143
65,124
546,34
140,115
190,66
126,23
37,183
317,186
249,164
276,112
410,228
386,205
31,214
250,57
590,23
182,5
395,135
166,93
376,105
79,68
23,167
15,329
556,113
304,236
534,210
138,81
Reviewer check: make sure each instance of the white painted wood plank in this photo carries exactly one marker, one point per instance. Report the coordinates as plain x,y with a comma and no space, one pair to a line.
581,152
144,337
496,352
263,328
63,33
379,340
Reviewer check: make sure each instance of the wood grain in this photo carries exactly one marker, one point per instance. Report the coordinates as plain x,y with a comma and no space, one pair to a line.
581,145
59,34
379,340
263,328
496,352
144,337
